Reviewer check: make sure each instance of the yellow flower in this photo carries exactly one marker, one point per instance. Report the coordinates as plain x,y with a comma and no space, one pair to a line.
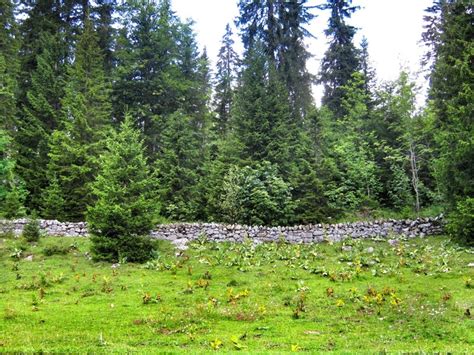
340,303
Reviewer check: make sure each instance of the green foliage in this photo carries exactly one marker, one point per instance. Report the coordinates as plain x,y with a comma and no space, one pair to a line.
12,192
354,181
256,196
279,28
126,207
75,147
461,221
225,79
449,35
9,65
341,59
31,231
53,201
179,168
41,111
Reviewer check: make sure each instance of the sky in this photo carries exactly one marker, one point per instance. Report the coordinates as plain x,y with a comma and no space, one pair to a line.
392,27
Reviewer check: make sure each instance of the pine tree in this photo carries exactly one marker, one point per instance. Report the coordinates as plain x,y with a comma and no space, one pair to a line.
368,73
449,35
75,146
148,77
341,58
280,27
251,122
9,66
348,155
125,208
180,168
102,16
225,81
12,192
41,19
40,117
293,56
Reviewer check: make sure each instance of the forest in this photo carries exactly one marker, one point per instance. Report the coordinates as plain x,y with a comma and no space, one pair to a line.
109,110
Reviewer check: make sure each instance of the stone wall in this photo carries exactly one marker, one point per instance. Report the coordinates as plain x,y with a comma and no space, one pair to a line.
183,232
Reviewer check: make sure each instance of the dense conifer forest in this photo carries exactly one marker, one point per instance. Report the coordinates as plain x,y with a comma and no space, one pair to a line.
109,102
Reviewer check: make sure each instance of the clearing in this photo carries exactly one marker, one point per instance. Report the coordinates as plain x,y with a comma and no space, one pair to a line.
406,295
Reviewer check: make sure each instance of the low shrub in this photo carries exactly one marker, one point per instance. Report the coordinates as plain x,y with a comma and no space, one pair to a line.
137,249
51,250
31,231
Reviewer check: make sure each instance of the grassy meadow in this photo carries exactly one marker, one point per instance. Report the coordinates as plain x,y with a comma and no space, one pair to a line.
353,296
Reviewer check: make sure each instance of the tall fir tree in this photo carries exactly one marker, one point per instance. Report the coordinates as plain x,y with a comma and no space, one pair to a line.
148,77
12,191
449,36
75,147
9,66
41,115
102,16
368,72
280,26
180,166
341,58
125,207
225,81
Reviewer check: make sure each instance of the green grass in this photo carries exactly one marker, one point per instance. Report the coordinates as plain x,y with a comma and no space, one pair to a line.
271,298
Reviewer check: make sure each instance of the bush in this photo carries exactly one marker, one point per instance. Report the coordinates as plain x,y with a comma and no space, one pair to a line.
126,207
56,250
31,231
256,196
461,221
133,248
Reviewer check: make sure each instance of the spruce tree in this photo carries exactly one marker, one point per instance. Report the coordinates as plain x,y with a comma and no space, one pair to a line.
341,58
9,66
148,76
12,192
126,207
225,81
180,167
86,113
280,27
449,36
41,115
368,73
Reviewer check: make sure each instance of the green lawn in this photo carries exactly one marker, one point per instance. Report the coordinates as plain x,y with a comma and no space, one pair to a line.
278,298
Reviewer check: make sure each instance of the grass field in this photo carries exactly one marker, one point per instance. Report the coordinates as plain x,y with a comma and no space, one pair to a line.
417,295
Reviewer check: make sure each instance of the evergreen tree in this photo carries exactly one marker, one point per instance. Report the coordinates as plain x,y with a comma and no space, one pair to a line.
102,16
449,35
180,168
12,192
148,76
354,184
75,147
41,19
368,73
40,117
280,26
225,81
125,208
261,117
294,15
9,66
341,58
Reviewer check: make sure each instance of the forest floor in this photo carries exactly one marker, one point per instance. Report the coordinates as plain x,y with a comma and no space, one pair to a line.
354,296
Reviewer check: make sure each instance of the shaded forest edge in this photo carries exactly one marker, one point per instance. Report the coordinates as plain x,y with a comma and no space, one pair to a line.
111,113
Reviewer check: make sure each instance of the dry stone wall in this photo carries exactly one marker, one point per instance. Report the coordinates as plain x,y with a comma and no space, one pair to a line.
184,232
